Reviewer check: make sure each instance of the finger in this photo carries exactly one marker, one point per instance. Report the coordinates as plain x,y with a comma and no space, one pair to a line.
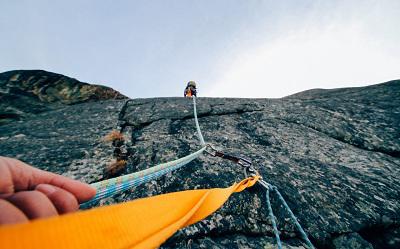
19,176
63,200
82,191
10,214
34,204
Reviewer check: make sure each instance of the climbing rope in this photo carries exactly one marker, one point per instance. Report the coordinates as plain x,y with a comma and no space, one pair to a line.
119,184
273,220
112,186
269,187
202,143
250,170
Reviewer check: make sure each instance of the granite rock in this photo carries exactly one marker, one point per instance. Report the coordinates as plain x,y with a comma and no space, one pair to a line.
333,154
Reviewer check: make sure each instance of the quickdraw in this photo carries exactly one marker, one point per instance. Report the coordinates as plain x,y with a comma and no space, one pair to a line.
246,163
110,187
249,170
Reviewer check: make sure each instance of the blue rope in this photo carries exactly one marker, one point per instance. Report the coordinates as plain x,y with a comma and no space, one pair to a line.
115,185
127,184
272,217
269,187
294,219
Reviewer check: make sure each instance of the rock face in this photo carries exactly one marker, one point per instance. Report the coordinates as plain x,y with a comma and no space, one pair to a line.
333,154
24,93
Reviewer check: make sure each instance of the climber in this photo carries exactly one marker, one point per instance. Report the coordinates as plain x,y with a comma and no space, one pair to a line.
190,89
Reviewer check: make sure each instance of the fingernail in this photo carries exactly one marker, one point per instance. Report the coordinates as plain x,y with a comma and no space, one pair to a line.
46,189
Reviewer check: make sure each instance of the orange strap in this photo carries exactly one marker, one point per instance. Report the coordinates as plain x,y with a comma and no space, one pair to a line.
142,223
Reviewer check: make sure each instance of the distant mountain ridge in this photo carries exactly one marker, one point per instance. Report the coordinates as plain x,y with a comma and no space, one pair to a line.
27,92
381,90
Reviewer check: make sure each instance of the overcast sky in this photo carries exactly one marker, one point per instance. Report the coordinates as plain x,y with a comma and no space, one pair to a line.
231,48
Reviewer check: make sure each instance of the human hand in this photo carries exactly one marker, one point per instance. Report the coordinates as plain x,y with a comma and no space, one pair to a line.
30,193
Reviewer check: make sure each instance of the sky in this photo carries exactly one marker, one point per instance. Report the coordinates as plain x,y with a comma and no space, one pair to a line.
231,48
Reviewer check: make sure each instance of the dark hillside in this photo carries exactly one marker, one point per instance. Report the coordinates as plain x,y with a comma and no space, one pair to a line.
24,93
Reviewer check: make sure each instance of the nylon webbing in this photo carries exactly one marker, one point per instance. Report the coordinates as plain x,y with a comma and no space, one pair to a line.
119,184
139,224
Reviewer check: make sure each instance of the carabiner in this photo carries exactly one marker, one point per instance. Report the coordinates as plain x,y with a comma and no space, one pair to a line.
213,150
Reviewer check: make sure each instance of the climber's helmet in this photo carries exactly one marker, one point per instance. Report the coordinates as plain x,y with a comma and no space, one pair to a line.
191,84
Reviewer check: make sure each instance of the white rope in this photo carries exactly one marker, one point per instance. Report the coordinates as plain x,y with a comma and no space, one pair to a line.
115,185
202,143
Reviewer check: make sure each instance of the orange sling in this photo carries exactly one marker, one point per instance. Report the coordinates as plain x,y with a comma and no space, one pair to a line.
142,223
